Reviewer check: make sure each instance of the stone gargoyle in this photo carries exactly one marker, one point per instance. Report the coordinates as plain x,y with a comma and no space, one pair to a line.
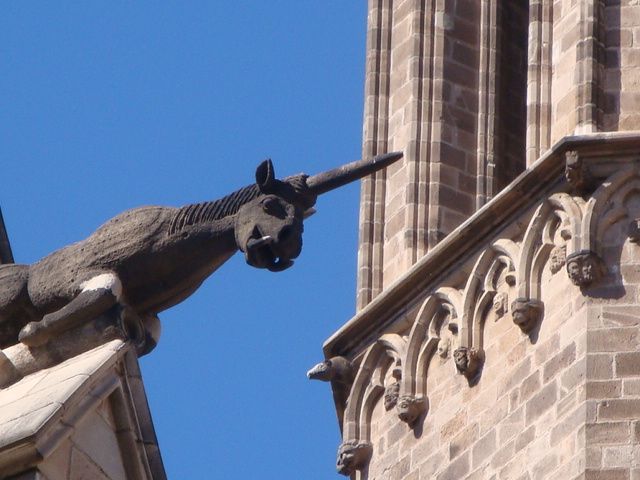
151,258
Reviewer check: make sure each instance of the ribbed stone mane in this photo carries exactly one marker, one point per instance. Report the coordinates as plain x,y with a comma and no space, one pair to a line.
209,211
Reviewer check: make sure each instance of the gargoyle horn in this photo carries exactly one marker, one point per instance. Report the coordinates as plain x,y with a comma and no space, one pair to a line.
337,177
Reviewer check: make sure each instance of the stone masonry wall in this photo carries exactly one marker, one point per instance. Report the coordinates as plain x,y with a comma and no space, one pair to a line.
525,418
517,360
446,85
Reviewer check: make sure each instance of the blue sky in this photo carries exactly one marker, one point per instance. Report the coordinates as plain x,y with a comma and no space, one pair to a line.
109,105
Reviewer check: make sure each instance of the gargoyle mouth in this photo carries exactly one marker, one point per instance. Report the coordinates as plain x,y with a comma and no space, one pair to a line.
261,253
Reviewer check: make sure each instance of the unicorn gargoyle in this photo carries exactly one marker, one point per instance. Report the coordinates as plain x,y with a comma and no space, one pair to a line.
151,258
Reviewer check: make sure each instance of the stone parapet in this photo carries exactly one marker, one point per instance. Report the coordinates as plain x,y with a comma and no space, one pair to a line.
510,349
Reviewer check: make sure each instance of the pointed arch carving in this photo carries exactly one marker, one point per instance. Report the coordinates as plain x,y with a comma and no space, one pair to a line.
479,293
424,338
367,389
607,206
481,288
555,224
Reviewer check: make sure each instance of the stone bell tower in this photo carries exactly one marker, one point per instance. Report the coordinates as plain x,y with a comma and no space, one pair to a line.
497,327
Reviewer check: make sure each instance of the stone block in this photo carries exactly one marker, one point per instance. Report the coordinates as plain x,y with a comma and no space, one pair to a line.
541,402
463,440
559,362
619,409
627,364
604,389
456,470
599,366
568,425
613,340
484,448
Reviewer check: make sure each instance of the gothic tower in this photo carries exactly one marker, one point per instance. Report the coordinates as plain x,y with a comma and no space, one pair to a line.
497,330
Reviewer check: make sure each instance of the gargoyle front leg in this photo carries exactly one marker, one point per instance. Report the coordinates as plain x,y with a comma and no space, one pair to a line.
98,295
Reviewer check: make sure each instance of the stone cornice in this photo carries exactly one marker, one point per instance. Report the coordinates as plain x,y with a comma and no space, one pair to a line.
545,174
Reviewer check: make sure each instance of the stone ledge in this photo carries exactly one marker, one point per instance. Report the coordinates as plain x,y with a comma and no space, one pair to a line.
527,189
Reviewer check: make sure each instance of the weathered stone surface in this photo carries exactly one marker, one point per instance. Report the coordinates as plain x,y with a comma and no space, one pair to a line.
151,258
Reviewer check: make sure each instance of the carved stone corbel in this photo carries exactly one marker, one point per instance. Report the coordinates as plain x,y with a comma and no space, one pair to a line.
353,455
335,368
500,304
444,345
577,173
526,313
557,258
585,268
410,408
391,394
468,361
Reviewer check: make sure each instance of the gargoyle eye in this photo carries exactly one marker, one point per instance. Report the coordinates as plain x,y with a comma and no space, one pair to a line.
272,206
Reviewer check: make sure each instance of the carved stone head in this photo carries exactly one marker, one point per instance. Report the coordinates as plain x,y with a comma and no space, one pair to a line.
526,313
268,229
500,304
557,258
584,268
576,172
322,371
352,456
391,395
467,361
409,408
444,345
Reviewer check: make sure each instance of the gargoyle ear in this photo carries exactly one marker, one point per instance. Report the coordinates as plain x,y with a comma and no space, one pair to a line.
265,176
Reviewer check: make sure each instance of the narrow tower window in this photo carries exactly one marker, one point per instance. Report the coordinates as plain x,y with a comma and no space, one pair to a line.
511,90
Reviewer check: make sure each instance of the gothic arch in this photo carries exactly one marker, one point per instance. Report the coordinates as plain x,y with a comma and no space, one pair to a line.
560,214
424,337
481,288
368,385
607,206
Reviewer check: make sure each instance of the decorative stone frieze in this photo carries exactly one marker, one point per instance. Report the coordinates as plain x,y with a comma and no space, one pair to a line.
410,408
353,455
577,173
468,361
526,313
584,268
